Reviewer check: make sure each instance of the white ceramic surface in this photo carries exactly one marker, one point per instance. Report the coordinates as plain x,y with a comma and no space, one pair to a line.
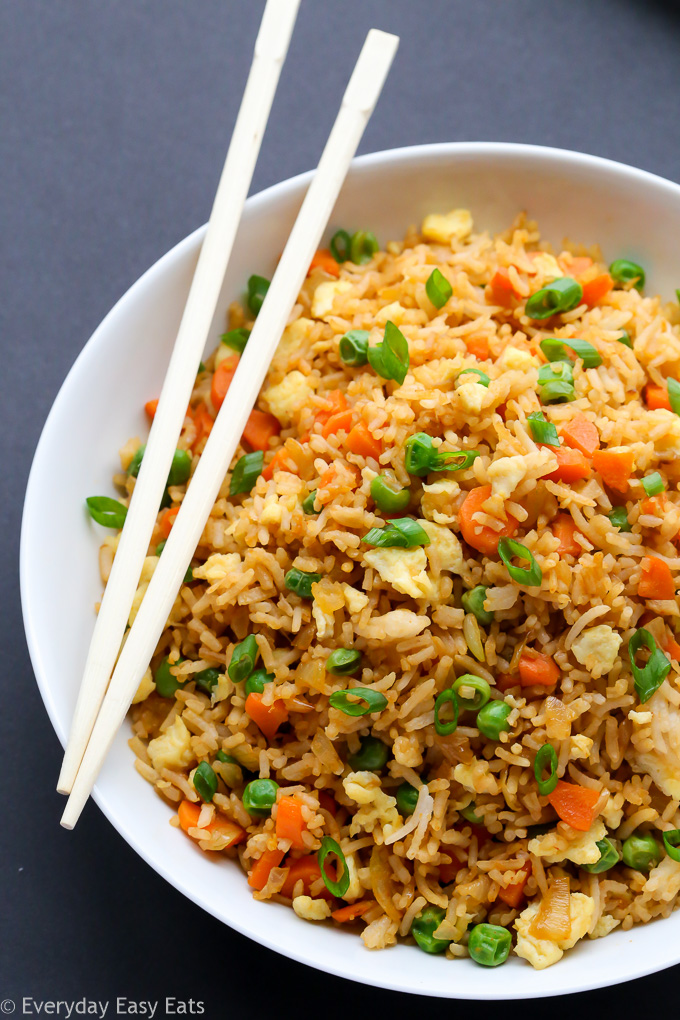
631,213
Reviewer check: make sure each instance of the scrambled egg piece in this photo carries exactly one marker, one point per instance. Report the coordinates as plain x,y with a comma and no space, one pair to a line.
293,337
354,600
287,397
375,807
324,296
397,625
127,452
516,358
390,313
555,847
146,686
355,889
471,396
547,265
404,569
150,564
597,649
437,500
217,566
657,743
580,746
506,473
605,924
663,882
444,551
453,226
543,953
311,910
172,749
325,622
476,777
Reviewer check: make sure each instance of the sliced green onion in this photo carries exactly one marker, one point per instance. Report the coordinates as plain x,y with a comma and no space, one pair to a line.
246,472
373,701
469,813
609,856
301,581
136,462
624,271
653,484
531,576
489,944
445,727
106,511
556,380
256,682
650,677
343,662
329,846
236,339
542,431
421,456
407,798
340,245
473,602
554,350
556,371
557,393
390,359
205,781
403,533
353,347
166,682
387,499
201,367
483,377
180,469
308,503
546,758
677,295
641,851
493,719
161,546
619,518
189,576
674,394
671,840
560,295
243,659
257,291
438,288
232,775
362,247
207,679
479,687
625,339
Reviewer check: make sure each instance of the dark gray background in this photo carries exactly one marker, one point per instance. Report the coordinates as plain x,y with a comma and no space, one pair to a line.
116,116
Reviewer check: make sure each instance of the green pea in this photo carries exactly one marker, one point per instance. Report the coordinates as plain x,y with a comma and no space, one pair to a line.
469,813
609,856
407,798
136,462
489,944
343,662
166,683
473,602
256,681
372,756
180,468
207,679
205,781
425,925
641,851
259,797
386,498
624,271
308,503
493,719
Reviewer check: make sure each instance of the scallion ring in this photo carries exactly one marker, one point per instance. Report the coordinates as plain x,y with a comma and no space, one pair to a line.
531,576
671,840
257,291
301,581
438,288
369,701
558,296
479,687
619,518
542,431
403,533
546,758
625,271
205,781
236,339
106,511
362,247
625,339
483,377
445,727
649,678
653,484
353,347
390,358
674,394
246,472
329,846
340,245
553,348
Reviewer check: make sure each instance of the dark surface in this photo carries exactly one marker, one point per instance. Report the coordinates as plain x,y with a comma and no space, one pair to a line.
116,120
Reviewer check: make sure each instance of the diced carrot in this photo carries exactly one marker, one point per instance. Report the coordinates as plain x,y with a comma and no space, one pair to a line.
574,804
203,422
673,649
188,815
577,265
340,422
448,871
323,259
504,681
267,717
615,467
260,428
151,407
361,442
480,536
328,802
502,291
336,401
281,461
262,868
596,289
656,580
581,434
513,894
167,519
305,868
537,670
221,380
656,397
571,465
289,822
565,530
352,911
478,347
336,481
655,506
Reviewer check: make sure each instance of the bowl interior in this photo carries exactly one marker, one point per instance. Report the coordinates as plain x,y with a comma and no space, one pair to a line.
630,213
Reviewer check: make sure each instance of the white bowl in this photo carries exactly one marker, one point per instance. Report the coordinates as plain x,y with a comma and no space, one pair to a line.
630,213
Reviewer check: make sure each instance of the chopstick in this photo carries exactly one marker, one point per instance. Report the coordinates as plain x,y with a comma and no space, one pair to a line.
358,102
271,47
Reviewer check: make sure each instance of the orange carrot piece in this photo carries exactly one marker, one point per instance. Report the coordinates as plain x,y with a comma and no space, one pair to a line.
289,822
203,422
513,894
188,815
596,290
281,461
574,804
448,871
656,580
260,428
571,465
505,681
167,519
340,422
261,869
352,911
577,265
151,407
323,259
581,434
481,537
537,670
267,717
565,530
478,347
654,505
305,868
336,401
673,649
615,467
221,380
361,442
656,397
502,291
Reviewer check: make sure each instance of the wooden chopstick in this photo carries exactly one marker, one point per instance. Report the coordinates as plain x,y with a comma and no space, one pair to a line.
358,102
270,51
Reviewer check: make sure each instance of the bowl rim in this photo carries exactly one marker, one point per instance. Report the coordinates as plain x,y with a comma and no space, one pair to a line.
430,151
